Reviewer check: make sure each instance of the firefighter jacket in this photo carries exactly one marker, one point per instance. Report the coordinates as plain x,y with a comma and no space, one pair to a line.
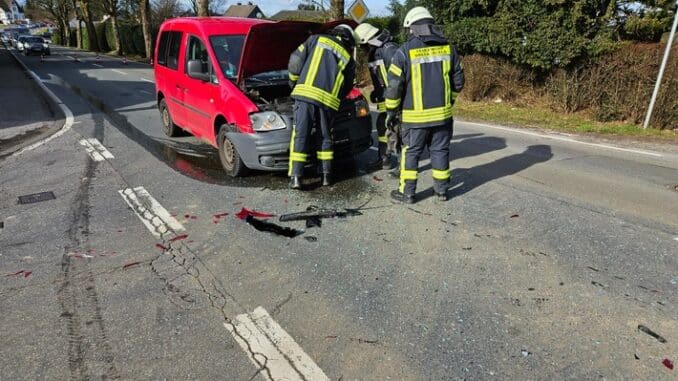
379,59
424,79
321,71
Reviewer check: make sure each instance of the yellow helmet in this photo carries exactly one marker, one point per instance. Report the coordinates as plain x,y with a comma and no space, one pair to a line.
415,14
365,32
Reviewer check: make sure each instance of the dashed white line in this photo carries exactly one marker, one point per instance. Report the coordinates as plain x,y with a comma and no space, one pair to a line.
96,150
97,65
156,218
267,344
565,139
146,80
119,71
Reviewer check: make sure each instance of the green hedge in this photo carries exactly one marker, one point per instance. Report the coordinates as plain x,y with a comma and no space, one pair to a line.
131,37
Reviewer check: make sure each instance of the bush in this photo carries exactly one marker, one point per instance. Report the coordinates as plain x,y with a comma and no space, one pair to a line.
490,78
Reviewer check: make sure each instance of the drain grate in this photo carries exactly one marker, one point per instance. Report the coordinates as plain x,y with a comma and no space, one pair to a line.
36,197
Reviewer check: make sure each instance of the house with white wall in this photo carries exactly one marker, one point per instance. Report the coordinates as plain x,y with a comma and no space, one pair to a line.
10,11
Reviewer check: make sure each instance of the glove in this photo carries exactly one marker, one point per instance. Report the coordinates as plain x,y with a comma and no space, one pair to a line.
391,120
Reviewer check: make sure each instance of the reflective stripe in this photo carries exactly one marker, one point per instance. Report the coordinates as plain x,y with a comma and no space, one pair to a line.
325,155
383,139
437,114
381,106
318,95
417,92
294,77
335,47
392,103
401,189
338,82
290,164
315,65
301,48
430,52
442,174
376,63
395,70
297,156
408,174
433,59
384,74
446,79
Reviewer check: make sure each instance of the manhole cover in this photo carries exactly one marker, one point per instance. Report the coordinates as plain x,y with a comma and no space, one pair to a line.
36,197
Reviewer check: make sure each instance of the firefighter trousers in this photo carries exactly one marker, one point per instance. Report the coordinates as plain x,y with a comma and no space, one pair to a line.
415,140
389,140
307,117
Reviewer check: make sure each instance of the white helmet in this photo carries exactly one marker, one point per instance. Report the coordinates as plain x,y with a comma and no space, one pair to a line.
365,32
345,31
415,14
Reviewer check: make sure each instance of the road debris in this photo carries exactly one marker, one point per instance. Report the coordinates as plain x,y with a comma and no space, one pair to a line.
515,215
311,238
525,352
650,332
130,264
244,213
376,178
179,238
315,212
668,363
25,273
265,226
161,246
330,337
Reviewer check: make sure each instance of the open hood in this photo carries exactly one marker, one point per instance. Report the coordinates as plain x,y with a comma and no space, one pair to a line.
268,46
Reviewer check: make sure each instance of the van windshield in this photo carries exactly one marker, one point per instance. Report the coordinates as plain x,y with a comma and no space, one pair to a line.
228,49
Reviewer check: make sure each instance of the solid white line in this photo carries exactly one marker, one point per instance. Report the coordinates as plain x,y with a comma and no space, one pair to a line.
564,139
98,65
100,148
119,72
156,218
146,80
96,156
266,343
67,112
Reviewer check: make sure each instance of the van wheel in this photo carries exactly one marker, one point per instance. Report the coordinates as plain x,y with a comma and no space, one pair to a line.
168,125
228,154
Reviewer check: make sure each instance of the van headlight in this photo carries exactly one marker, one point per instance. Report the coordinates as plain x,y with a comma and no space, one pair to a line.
45,46
267,121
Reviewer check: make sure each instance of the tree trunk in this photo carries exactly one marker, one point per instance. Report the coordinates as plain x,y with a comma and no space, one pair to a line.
337,10
89,24
203,8
145,10
116,34
78,34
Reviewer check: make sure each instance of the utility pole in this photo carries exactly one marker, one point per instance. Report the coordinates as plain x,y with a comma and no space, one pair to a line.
657,85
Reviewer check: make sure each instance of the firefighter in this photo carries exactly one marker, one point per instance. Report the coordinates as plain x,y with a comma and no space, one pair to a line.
380,48
322,71
424,79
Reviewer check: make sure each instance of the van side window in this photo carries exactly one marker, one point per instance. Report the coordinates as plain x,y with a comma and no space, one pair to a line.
162,48
173,54
196,50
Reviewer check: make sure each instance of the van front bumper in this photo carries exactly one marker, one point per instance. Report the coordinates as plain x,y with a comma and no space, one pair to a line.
270,151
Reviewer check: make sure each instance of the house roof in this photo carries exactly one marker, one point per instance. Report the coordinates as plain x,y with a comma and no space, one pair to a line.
299,15
239,10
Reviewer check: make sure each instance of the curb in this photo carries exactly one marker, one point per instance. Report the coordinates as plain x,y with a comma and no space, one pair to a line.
54,103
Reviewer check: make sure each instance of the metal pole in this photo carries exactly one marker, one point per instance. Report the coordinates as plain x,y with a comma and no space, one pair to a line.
661,70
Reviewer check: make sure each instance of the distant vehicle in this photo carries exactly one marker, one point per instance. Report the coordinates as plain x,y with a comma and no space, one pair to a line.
20,42
225,80
35,45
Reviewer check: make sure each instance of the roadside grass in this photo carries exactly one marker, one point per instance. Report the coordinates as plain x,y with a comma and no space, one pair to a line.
542,117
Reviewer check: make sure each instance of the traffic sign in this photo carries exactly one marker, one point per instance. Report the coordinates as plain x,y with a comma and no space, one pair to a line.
358,11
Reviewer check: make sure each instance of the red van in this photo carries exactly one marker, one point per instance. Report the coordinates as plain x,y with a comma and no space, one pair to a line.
225,81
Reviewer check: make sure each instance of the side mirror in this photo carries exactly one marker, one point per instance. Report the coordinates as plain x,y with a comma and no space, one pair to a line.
195,71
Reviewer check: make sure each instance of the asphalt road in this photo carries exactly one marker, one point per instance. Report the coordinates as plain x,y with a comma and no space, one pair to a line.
551,254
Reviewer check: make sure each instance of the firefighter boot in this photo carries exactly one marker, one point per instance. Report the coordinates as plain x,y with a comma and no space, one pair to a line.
295,182
327,179
401,197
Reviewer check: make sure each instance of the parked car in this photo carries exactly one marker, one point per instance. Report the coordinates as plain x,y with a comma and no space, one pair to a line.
35,45
225,81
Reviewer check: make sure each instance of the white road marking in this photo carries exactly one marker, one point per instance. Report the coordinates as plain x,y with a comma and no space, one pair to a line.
96,150
67,112
98,65
565,139
119,72
156,218
266,343
146,80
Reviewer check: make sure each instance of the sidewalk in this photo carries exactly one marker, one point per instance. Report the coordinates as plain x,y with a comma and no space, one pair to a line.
26,115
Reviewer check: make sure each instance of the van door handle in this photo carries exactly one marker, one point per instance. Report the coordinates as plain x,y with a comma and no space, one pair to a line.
178,87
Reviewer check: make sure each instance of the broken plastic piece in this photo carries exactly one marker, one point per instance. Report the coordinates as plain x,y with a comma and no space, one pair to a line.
311,238
265,226
668,363
16,273
179,238
315,212
27,273
313,222
525,352
650,332
220,215
244,213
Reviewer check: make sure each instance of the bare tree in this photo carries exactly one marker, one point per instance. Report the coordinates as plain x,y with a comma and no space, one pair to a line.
337,10
162,10
110,7
58,11
145,11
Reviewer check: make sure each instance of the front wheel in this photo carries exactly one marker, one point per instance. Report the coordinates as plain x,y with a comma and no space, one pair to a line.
228,154
168,125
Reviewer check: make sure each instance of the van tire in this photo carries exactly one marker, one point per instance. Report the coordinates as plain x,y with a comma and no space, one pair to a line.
228,154
168,126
